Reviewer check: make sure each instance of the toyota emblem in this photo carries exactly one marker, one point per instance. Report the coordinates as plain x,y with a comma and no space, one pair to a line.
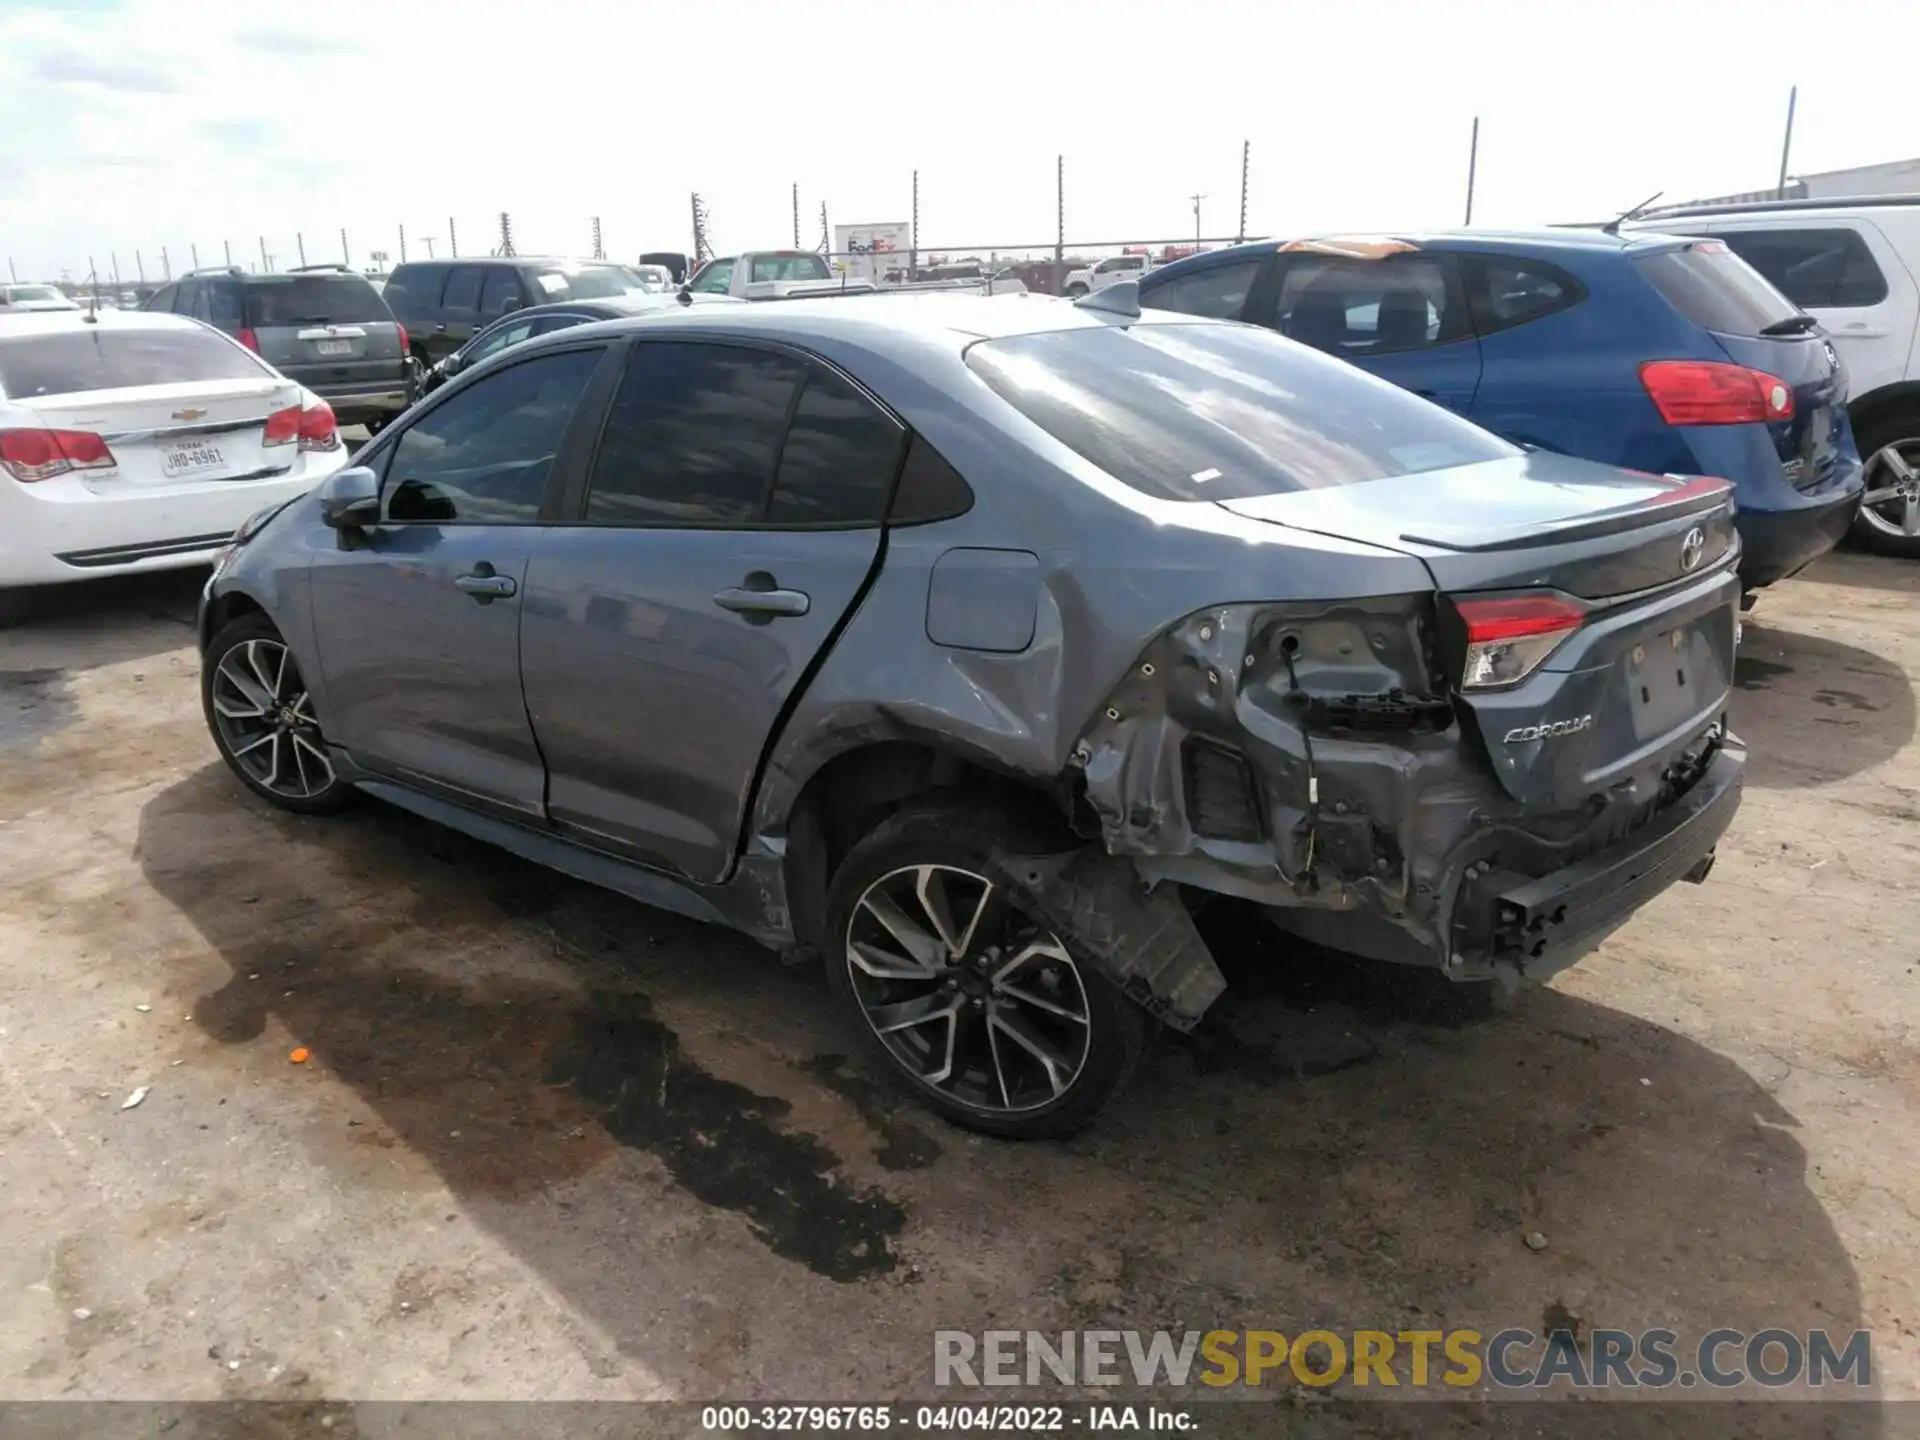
1692,548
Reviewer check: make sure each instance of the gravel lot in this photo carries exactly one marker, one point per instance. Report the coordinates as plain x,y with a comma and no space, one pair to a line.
551,1144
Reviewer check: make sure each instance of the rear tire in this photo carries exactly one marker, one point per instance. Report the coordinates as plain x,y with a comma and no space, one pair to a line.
963,995
262,719
1878,528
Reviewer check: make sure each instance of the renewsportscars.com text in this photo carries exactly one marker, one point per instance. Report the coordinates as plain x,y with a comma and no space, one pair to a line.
1507,1359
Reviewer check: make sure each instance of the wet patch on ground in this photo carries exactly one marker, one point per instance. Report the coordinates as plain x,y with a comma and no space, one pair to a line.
903,1145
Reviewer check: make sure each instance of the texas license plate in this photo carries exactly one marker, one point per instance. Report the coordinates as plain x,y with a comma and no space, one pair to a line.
193,459
336,347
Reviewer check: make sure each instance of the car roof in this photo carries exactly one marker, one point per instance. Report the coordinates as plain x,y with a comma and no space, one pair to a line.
1829,204
507,260
54,322
1562,240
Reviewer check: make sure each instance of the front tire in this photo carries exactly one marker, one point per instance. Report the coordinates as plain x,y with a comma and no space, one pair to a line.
964,996
263,722
1892,526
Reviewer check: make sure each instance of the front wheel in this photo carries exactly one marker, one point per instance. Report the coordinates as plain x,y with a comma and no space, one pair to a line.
1889,518
970,1000
263,722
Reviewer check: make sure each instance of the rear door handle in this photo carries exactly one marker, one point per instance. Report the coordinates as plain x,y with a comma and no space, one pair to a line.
750,602
484,585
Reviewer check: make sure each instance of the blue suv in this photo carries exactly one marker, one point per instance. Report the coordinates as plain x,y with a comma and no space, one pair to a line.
1655,353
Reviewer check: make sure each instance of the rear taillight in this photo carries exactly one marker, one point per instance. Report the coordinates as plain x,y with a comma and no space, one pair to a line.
249,339
283,426
30,455
318,430
1509,638
1708,392
403,339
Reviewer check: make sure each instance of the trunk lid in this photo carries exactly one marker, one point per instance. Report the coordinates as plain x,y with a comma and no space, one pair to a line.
1650,557
177,436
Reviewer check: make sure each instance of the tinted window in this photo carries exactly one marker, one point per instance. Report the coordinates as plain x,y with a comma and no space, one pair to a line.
714,278
162,298
1508,292
315,300
103,358
482,457
1814,269
790,267
1218,292
839,458
499,338
193,300
692,436
929,488
463,289
414,289
1354,308
1221,412
226,304
1712,286
19,294
547,324
500,292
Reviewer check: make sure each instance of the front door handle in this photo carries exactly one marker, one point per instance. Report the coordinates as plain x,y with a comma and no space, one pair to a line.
763,600
485,585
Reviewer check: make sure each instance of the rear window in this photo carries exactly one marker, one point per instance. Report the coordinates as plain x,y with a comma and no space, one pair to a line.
315,300
789,267
1715,288
30,292
98,358
1221,412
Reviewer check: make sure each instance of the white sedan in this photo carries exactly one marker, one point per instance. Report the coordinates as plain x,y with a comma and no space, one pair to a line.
134,441
26,299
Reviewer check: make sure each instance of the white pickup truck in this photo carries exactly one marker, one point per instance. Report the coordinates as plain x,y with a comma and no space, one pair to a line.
1103,273
797,274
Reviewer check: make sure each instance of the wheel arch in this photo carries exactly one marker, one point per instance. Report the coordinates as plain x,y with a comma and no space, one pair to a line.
1879,407
851,791
223,609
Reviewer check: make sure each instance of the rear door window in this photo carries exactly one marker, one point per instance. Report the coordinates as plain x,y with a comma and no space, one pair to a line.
1356,308
1221,412
1815,269
839,459
226,305
462,297
483,456
1715,288
501,292
414,289
1218,292
693,436
314,300
104,358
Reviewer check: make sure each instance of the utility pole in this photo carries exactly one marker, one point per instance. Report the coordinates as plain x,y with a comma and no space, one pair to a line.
427,240
1196,217
1060,219
453,239
599,251
116,266
228,246
346,255
403,244
825,234
913,232
300,244
1786,145
796,214
194,250
266,260
702,249
1473,166
506,233
1246,152
166,263
139,267
12,273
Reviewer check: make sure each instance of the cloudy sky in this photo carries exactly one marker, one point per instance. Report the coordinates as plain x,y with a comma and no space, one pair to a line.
129,127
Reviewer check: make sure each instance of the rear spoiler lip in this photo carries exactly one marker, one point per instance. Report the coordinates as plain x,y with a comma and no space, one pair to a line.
1701,495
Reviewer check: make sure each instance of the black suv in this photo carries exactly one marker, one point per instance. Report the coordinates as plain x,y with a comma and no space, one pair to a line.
324,326
443,302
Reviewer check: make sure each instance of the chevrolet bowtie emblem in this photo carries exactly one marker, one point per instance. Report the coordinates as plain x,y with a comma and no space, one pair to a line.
188,414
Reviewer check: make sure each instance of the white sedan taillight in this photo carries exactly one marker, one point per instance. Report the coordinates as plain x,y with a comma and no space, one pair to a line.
1511,637
33,455
312,429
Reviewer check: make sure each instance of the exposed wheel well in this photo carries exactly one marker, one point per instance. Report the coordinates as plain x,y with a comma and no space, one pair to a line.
229,608
852,793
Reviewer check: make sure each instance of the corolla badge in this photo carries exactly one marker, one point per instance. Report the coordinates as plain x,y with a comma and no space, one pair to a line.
1692,548
1555,730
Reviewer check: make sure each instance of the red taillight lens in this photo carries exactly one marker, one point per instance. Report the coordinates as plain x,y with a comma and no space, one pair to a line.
1706,392
318,431
283,426
30,455
403,338
1511,637
250,340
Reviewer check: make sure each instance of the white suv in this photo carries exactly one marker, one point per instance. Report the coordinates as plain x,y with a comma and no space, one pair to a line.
1854,265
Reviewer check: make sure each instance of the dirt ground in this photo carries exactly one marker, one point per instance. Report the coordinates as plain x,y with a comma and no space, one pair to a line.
554,1145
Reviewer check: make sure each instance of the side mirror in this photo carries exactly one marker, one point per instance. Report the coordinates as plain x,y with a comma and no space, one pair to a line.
350,499
453,364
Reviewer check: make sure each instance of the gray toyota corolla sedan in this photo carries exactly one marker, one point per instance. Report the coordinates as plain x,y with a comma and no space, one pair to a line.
965,642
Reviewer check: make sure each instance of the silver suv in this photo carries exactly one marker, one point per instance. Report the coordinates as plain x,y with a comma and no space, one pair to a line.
324,326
